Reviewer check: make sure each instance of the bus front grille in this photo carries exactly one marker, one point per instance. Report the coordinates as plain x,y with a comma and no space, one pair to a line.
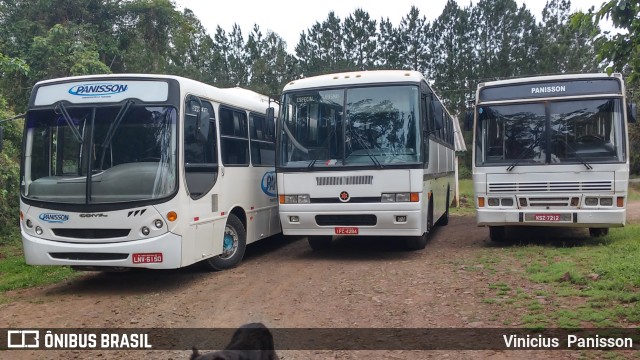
91,233
549,201
347,220
550,186
344,180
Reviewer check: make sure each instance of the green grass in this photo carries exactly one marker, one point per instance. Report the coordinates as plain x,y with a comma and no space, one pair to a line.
592,282
466,206
16,274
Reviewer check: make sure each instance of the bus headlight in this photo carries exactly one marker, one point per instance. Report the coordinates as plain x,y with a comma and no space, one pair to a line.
493,201
158,223
145,231
606,201
400,197
591,201
388,198
29,223
295,199
38,230
506,201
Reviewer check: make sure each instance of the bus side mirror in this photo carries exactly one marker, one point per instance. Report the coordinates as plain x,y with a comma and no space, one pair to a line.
632,113
468,120
270,115
1,137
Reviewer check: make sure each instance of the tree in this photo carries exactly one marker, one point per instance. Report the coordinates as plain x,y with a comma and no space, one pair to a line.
387,50
622,50
413,39
360,40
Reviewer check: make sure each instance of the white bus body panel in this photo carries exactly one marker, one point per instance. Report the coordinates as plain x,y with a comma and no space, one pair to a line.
552,187
383,181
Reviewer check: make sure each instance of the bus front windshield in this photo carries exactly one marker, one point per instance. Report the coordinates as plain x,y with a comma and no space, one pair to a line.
558,132
127,151
366,126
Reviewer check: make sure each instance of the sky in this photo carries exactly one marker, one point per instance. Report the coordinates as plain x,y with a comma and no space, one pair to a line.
289,18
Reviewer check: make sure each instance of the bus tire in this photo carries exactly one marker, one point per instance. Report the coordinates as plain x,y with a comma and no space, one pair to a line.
413,243
319,242
497,234
598,232
234,244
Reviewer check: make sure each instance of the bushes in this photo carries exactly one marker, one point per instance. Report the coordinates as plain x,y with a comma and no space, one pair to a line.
10,175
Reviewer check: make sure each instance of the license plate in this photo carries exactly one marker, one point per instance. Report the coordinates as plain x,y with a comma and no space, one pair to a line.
147,258
547,217
346,231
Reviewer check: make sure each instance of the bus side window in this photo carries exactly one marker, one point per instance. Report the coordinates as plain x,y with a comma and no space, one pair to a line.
234,137
200,158
263,148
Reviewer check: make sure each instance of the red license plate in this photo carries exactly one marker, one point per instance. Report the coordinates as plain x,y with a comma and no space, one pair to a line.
547,217
346,231
147,258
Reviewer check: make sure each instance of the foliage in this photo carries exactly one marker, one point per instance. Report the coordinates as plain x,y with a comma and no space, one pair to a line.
463,46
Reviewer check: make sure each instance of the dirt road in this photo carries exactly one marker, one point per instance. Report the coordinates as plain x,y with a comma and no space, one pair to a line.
283,283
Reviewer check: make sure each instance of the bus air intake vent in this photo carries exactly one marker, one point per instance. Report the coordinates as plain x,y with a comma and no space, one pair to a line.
551,186
344,180
346,220
92,233
88,256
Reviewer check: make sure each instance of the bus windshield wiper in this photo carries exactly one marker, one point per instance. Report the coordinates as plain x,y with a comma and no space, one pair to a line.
366,148
69,121
584,162
112,129
523,154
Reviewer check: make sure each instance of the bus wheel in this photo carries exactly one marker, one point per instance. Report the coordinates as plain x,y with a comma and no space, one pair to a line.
233,245
413,243
598,232
319,242
497,234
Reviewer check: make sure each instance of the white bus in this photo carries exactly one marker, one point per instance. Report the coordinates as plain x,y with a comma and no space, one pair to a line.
364,153
145,171
551,151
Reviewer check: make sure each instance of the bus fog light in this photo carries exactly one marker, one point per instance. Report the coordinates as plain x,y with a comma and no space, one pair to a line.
294,219
591,201
145,231
493,201
606,201
401,218
575,201
29,223
304,199
507,202
403,197
388,198
158,223
38,230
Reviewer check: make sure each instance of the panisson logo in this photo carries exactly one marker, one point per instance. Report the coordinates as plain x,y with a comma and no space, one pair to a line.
54,218
97,89
268,183
548,89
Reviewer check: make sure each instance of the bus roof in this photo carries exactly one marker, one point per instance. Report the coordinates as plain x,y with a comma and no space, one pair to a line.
231,96
355,78
546,78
